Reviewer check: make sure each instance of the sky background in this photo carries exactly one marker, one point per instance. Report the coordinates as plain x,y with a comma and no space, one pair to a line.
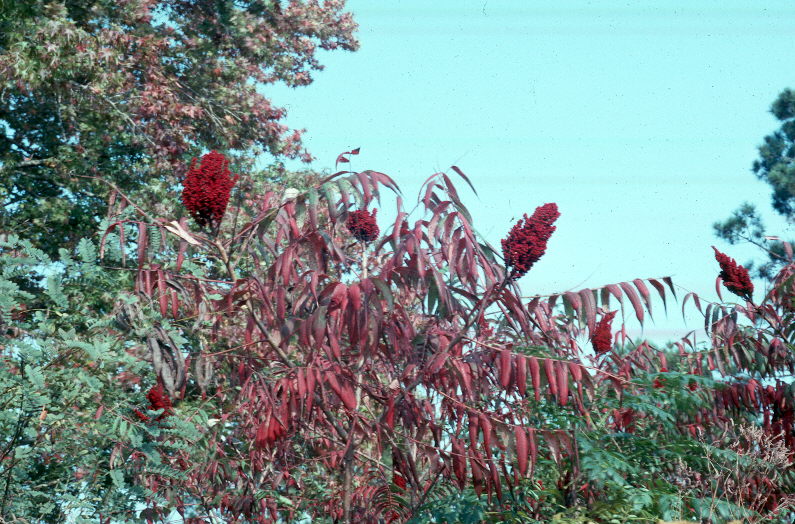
640,122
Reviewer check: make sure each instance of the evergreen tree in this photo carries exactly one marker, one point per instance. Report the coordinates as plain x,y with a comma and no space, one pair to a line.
776,167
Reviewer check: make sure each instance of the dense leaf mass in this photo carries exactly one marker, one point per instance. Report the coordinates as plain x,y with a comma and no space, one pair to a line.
527,241
291,387
124,92
735,277
362,225
206,188
426,389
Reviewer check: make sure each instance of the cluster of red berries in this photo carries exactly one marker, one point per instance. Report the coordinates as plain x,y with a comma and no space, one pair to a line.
659,382
207,187
527,241
602,336
158,399
735,277
362,225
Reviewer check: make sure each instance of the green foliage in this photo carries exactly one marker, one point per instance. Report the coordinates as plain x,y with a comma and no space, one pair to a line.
776,167
66,435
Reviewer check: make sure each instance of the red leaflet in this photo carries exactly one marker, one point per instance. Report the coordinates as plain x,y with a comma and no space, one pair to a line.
348,397
473,430
478,470
466,376
389,416
634,300
549,369
355,296
495,478
535,374
526,243
521,449
505,368
399,481
275,431
521,374
331,378
345,393
459,463
174,304
341,158
310,388
300,381
576,371
261,440
485,425
437,362
339,297
750,386
533,448
563,382
183,246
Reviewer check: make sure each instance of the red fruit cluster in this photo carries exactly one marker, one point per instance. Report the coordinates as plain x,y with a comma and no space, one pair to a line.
527,241
158,399
624,420
602,336
206,188
735,277
362,225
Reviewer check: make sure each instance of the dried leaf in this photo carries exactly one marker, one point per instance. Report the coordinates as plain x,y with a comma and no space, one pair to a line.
176,228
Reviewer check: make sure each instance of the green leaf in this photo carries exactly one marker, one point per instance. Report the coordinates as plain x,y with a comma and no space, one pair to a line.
87,251
117,477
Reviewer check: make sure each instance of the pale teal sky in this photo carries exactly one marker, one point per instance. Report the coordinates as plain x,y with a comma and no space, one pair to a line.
641,122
